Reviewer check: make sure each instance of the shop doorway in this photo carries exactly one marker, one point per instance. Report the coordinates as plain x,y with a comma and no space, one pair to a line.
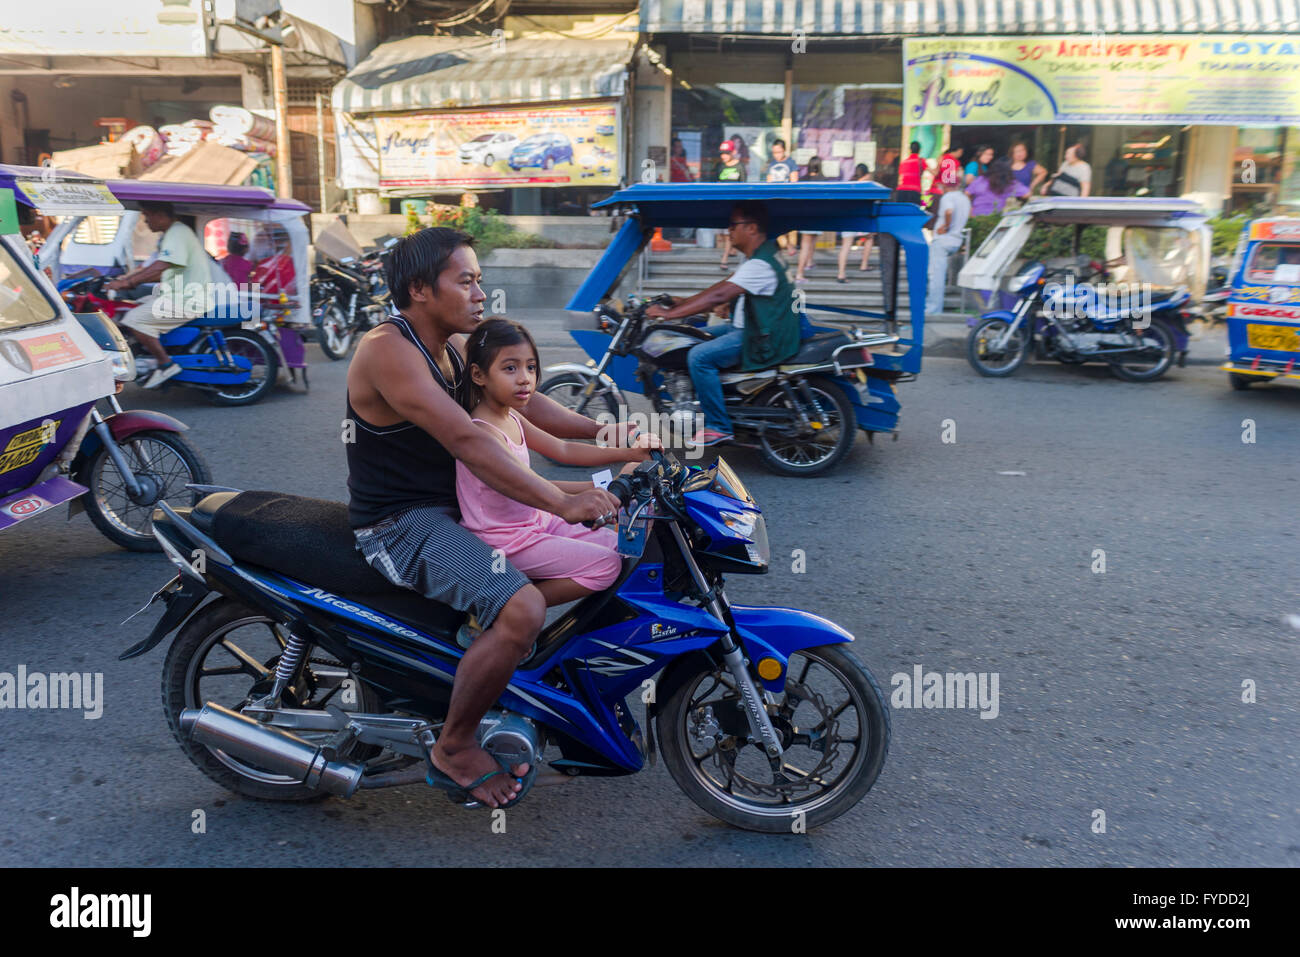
1041,141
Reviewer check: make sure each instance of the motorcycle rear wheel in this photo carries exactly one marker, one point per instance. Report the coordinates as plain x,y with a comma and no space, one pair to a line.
247,662
805,456
713,767
1160,337
262,376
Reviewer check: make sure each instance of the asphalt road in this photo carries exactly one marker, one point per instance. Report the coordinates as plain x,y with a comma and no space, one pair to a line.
1119,691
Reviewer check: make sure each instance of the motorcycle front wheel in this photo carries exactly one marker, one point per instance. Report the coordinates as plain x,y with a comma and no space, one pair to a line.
834,730
164,463
987,358
1153,361
336,336
790,452
227,654
567,390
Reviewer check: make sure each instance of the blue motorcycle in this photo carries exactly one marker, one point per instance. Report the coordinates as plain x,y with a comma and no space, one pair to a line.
1076,319
308,674
232,364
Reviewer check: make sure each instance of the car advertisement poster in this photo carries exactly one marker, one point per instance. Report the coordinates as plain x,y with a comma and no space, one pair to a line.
534,146
1103,78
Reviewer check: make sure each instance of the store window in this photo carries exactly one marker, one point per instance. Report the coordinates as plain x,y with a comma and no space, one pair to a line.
748,114
843,125
1136,160
1258,166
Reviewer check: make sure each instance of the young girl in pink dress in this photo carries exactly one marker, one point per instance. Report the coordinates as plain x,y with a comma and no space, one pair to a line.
566,561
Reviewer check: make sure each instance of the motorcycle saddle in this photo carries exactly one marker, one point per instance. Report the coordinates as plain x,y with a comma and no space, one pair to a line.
818,348
311,541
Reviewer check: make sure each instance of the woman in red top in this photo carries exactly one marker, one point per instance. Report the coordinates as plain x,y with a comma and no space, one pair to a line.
910,169
949,172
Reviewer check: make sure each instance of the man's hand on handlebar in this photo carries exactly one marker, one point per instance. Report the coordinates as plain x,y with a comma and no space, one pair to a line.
594,507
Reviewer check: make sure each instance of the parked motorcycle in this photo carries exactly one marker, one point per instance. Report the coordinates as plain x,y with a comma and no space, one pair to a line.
231,364
348,297
798,415
309,674
1064,321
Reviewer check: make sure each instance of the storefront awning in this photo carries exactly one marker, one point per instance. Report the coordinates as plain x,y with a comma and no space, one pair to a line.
972,17
420,73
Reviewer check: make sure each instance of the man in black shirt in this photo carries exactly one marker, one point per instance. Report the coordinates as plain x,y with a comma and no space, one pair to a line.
403,390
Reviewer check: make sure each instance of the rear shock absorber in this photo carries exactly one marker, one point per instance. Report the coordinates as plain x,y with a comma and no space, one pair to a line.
290,659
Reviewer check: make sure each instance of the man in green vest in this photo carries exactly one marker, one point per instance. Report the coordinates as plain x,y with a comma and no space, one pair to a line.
765,323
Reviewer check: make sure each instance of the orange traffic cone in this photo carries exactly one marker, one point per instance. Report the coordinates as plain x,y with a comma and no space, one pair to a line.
657,243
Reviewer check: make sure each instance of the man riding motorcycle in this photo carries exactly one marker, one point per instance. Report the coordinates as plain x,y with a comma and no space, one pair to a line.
765,320
406,395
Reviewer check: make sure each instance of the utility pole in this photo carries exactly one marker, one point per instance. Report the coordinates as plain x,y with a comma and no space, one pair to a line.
283,159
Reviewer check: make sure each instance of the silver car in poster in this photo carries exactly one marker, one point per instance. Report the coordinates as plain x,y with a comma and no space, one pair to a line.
488,148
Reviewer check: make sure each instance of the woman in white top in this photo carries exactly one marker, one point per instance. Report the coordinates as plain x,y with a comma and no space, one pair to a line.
1074,178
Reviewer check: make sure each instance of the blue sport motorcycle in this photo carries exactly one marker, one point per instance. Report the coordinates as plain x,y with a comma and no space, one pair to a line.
299,671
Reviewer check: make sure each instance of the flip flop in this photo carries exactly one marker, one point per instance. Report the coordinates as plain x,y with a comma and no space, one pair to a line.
460,793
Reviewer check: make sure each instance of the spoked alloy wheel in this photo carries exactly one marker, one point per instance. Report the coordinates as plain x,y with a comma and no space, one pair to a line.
793,451
1153,361
987,357
163,463
263,371
833,726
227,654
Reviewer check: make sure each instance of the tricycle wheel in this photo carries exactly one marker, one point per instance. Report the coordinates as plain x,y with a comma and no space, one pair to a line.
262,375
791,452
164,463
1240,383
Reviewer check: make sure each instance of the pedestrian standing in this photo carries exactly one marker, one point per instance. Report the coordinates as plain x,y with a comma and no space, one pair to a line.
731,170
861,174
1074,178
1024,169
989,192
950,219
910,169
808,241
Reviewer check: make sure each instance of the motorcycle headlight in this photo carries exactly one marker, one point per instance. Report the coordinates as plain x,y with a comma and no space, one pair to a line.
742,523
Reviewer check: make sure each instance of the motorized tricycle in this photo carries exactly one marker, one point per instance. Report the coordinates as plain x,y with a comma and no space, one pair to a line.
1129,311
803,415
234,352
1263,310
55,369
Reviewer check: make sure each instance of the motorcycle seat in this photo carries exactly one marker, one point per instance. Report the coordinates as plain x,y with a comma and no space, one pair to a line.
311,541
818,348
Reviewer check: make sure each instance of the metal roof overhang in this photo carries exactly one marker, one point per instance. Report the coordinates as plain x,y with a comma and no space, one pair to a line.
781,18
428,73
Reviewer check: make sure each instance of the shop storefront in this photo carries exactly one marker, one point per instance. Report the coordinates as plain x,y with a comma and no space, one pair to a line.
1205,115
1195,98
532,124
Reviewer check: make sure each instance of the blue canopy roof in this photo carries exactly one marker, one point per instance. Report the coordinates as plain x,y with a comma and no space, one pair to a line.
861,207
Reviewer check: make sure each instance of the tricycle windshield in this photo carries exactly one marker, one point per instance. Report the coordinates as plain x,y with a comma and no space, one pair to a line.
1166,257
1274,263
22,301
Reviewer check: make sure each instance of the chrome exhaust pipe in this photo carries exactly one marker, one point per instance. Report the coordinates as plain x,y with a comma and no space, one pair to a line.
270,748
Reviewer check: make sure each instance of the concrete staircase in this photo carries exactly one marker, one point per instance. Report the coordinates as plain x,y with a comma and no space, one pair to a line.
686,269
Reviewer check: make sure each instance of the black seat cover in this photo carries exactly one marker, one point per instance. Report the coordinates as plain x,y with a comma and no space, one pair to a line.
818,348
311,540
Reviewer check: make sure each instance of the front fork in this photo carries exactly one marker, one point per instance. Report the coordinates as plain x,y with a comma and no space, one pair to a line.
114,450
1022,309
760,723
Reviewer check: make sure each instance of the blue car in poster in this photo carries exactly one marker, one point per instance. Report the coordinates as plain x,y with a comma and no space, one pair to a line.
542,149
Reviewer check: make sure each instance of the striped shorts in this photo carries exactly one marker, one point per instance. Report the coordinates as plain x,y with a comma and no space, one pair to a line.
426,550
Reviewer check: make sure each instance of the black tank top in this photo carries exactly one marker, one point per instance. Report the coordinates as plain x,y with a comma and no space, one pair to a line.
396,467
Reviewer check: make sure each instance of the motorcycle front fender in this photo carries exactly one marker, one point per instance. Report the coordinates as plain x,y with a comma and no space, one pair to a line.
587,372
769,632
123,425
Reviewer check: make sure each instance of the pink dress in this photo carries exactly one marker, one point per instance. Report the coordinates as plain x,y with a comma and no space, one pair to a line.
539,544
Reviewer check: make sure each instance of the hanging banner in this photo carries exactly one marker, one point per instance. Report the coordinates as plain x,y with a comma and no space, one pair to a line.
1225,80
531,146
